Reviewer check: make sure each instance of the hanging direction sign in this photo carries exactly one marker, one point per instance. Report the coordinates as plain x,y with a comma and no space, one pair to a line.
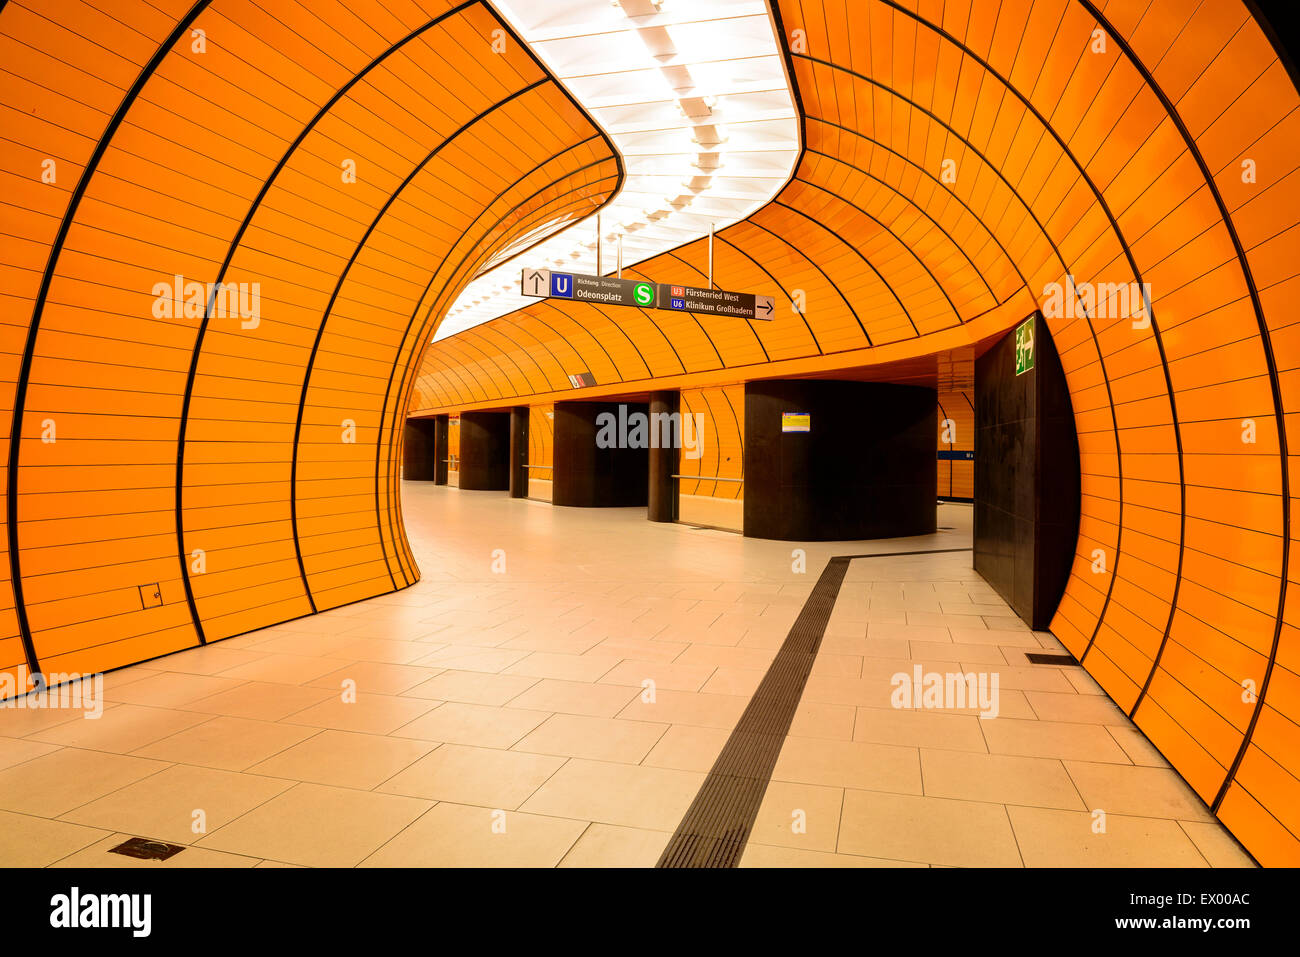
606,290
715,302
611,291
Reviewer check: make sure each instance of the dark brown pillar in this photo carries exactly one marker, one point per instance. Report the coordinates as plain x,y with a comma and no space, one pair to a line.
418,451
485,451
439,450
1026,474
864,467
591,473
519,452
662,503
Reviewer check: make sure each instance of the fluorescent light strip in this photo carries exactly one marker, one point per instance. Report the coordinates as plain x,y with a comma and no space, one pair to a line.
694,95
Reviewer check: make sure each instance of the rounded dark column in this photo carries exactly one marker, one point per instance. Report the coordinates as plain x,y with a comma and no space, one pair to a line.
485,451
519,452
1027,484
591,473
863,469
440,450
418,452
662,502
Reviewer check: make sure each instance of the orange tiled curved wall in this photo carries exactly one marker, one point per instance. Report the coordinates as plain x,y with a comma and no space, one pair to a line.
959,159
181,471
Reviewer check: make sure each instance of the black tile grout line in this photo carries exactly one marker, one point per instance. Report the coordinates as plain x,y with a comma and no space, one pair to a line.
716,827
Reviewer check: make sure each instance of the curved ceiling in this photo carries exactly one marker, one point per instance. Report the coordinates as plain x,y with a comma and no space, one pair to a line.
964,164
695,98
230,230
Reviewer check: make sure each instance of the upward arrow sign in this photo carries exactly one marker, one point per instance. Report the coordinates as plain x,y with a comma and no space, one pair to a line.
535,282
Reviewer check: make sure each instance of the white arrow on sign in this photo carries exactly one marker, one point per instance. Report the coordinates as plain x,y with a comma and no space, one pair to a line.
535,282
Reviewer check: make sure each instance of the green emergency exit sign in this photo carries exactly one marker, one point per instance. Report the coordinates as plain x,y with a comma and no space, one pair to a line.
1025,346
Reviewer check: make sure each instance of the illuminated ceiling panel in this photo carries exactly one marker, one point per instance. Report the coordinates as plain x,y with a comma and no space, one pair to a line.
694,95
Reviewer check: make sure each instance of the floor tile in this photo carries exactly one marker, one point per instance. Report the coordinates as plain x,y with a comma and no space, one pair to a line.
600,739
288,669
584,667
171,689
344,759
767,855
231,744
1137,791
919,729
178,804
1052,739
1216,845
473,687
927,830
849,764
374,677
1077,708
210,659
577,697
644,797
1136,746
742,682
470,658
260,701
801,816
27,841
99,855
317,826
684,707
453,835
685,747
605,845
486,777
666,676
120,729
998,779
473,724
17,750
55,783
370,713
1049,838
640,649
381,651
819,720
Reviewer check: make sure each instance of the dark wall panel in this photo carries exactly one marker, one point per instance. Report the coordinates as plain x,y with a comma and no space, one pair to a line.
661,505
1026,477
485,451
418,452
519,452
864,470
440,450
588,476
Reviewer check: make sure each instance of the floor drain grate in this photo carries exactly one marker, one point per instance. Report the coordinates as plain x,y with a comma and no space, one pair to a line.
1044,658
146,850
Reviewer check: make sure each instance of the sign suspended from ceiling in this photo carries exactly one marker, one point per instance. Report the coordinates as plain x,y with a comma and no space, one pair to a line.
612,291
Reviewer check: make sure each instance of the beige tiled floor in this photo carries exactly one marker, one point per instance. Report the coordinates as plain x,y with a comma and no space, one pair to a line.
567,712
